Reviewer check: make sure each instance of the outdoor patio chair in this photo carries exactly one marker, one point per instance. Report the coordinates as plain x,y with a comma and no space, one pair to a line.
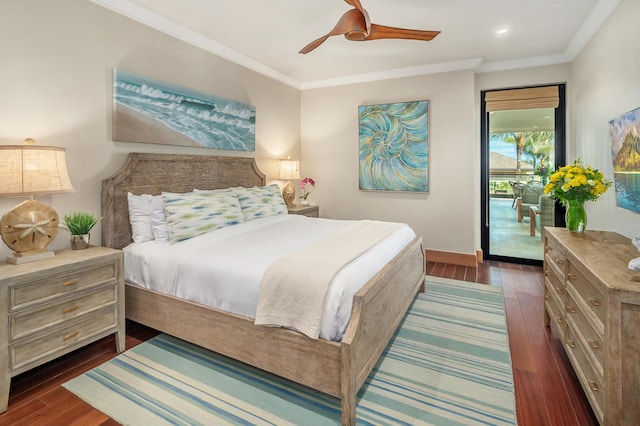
542,215
515,187
529,196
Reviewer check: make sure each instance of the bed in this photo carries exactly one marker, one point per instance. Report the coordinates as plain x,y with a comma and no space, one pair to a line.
336,368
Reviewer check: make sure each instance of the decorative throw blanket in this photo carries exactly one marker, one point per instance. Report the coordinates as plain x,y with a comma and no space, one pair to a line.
294,287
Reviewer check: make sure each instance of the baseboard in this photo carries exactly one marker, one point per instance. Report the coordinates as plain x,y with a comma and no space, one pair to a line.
453,258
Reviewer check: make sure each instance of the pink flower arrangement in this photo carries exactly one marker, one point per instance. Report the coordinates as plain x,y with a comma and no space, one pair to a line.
304,185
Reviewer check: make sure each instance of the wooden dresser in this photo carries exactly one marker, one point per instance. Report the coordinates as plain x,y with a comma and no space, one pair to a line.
593,300
54,306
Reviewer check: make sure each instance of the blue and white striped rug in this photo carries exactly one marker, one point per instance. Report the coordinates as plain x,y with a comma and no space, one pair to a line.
448,364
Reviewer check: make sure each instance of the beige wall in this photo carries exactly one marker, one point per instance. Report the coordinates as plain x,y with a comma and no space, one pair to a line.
606,83
445,216
58,59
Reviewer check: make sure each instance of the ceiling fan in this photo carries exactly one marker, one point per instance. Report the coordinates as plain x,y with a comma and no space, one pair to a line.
356,26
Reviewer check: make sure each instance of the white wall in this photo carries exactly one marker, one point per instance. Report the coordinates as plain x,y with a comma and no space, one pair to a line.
606,84
58,59
444,216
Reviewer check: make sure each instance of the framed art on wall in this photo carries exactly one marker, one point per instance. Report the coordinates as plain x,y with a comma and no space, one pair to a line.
152,111
394,146
625,151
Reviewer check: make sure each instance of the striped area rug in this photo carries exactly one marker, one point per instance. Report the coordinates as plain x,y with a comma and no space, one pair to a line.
448,364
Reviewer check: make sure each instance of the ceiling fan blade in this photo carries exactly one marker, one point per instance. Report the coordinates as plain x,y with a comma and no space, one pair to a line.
355,3
352,21
358,5
381,31
315,43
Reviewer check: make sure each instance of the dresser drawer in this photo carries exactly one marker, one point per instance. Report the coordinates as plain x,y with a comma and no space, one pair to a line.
24,295
33,321
555,258
592,383
555,308
592,340
556,285
51,345
591,296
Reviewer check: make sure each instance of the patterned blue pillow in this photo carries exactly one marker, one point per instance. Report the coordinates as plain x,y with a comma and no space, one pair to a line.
260,201
195,213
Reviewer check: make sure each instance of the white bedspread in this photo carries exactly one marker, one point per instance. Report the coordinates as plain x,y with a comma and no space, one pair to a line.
223,268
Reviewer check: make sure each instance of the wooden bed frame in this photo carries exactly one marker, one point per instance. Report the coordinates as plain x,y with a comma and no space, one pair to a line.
336,368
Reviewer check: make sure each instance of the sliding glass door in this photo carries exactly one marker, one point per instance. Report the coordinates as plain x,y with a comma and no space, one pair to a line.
522,143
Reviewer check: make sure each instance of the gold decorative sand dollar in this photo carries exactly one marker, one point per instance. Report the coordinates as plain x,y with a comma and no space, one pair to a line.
30,226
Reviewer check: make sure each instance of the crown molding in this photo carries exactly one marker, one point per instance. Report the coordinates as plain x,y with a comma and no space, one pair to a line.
465,64
599,14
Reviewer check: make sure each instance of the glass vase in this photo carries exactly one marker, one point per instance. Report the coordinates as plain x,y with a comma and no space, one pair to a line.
576,216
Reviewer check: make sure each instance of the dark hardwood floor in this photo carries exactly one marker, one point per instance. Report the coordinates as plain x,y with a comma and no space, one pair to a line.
547,391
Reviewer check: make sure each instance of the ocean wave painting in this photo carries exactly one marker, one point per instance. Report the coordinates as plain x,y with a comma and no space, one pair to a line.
151,111
393,146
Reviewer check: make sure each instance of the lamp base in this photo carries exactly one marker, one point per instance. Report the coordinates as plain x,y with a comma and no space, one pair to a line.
27,230
29,256
289,193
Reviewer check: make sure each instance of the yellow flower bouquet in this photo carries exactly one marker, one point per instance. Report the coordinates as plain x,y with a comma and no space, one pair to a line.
576,182
572,185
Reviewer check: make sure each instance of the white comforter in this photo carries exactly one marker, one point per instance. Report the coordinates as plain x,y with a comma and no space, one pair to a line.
223,268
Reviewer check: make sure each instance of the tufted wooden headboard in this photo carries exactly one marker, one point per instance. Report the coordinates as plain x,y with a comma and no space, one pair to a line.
153,173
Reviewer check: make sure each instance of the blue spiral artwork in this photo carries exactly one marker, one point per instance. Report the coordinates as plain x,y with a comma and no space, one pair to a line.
394,147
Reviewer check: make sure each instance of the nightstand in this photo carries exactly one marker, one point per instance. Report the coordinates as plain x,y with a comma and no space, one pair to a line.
310,211
53,306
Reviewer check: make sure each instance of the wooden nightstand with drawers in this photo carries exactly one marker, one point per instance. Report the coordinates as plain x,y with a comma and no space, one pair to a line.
310,211
53,306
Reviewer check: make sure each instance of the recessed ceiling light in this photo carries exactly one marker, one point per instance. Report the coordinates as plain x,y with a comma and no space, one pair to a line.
502,31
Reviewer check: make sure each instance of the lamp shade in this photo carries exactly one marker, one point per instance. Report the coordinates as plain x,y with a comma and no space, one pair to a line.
289,169
32,170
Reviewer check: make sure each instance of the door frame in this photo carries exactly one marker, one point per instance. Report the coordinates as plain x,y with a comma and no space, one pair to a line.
560,160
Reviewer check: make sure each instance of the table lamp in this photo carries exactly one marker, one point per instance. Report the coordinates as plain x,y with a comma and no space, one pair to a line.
28,170
289,169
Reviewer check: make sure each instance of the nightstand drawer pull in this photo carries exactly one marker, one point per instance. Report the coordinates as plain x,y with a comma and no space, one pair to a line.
560,290
547,273
560,320
70,335
594,302
69,310
547,297
560,261
594,386
571,343
593,343
571,309
70,283
571,276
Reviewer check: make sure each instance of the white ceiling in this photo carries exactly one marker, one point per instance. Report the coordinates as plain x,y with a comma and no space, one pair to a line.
266,35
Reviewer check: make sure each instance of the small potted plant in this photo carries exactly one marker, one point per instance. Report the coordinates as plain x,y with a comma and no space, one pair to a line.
79,225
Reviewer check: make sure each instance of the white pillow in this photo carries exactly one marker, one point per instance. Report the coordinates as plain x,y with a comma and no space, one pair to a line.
140,217
260,201
195,213
158,219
